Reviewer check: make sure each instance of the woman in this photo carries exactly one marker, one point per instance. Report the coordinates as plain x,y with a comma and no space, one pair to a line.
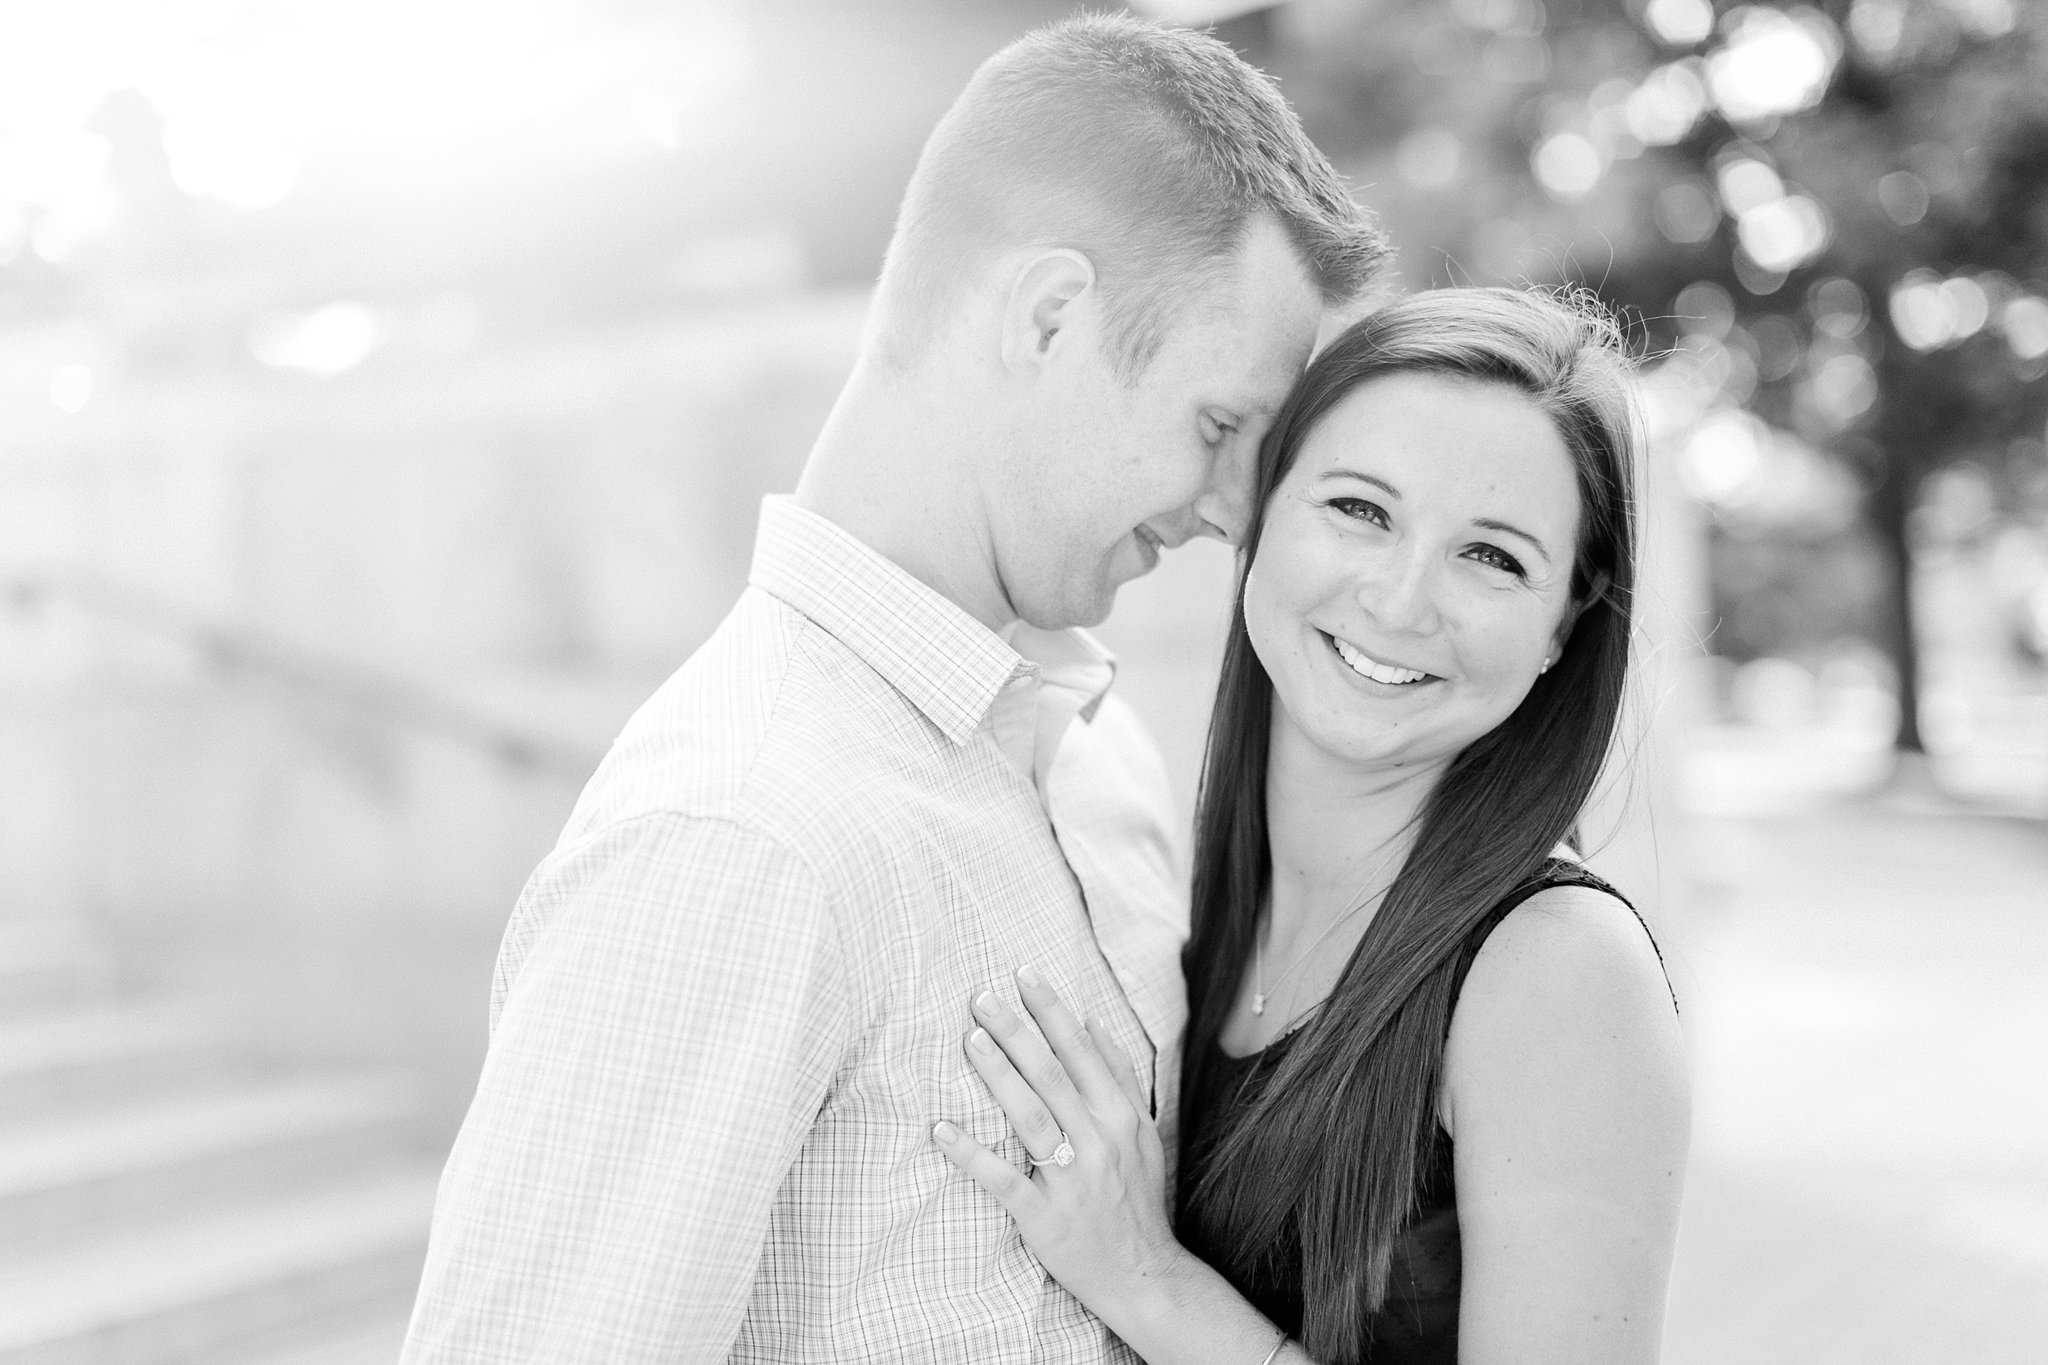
1434,1102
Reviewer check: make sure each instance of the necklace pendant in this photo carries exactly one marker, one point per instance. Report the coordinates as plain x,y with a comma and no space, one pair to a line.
1258,1003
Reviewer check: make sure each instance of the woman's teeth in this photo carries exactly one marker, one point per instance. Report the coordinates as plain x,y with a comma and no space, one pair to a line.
1372,668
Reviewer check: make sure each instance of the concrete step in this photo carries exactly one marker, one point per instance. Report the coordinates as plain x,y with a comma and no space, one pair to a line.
47,962
71,1174
203,1289
108,1051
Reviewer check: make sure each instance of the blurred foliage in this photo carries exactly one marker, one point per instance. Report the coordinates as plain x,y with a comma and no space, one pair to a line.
1835,215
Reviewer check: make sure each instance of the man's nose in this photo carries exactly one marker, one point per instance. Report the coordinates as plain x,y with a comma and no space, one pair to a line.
1225,506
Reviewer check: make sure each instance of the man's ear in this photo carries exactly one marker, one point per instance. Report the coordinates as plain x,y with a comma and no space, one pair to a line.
1048,296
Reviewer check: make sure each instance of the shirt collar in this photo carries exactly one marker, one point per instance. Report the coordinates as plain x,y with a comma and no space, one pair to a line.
946,663
1072,661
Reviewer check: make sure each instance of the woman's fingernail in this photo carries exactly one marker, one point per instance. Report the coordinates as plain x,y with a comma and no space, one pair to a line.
981,1041
945,1132
986,1002
1029,976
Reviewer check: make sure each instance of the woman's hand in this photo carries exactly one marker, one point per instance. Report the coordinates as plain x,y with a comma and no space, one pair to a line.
1098,1222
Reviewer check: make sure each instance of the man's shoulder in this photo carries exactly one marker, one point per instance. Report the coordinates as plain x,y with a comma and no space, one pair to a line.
1119,738
1122,761
771,724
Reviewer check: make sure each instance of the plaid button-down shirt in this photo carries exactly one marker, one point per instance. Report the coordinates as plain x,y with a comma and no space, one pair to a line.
730,1004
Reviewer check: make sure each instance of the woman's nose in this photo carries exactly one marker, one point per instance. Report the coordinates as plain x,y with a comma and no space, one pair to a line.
1401,595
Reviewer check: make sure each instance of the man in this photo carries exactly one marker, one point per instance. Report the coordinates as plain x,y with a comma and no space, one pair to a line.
731,1003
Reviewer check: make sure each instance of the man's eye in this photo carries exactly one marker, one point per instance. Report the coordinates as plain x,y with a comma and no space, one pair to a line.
1360,509
1495,557
1215,429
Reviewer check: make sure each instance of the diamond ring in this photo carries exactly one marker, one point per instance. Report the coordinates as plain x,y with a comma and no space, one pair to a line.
1062,1155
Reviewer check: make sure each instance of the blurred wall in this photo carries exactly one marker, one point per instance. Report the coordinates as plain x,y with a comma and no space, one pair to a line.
532,536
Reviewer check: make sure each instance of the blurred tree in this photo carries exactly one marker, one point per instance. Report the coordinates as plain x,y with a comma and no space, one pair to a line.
1833,215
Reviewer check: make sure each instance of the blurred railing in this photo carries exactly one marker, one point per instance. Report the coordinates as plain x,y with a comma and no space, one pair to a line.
391,699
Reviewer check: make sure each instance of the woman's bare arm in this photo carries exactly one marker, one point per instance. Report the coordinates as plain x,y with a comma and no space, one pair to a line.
1565,1090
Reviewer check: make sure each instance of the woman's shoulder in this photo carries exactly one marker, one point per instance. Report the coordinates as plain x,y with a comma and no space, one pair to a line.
1568,990
1573,934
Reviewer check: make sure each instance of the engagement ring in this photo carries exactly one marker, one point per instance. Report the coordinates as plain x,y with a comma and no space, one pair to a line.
1062,1155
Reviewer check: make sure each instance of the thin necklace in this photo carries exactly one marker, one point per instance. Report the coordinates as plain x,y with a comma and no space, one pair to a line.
1259,992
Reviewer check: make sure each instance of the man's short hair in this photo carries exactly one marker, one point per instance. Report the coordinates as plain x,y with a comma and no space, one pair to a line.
1147,148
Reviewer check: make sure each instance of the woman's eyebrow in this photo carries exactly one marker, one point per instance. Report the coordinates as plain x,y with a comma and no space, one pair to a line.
1488,523
1340,472
1485,523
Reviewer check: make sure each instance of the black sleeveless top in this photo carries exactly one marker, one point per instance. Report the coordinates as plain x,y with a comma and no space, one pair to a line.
1418,1323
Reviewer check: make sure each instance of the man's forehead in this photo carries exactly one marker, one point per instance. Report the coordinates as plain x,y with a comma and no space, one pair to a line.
1264,273
1250,332
1273,371
1252,380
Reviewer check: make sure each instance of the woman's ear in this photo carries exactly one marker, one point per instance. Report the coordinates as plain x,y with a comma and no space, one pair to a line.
1047,295
1595,591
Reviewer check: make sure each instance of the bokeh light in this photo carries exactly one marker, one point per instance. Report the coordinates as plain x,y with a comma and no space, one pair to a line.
1681,23
1774,62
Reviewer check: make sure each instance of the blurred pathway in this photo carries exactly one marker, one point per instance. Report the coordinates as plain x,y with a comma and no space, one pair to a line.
1867,994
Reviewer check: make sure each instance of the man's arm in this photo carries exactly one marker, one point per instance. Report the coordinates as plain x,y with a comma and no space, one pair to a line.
660,1054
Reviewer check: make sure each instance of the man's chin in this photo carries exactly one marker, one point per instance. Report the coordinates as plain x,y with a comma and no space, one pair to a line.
1097,616
1071,612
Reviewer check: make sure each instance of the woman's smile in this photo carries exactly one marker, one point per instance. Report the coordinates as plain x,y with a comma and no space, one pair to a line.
1374,669
1410,578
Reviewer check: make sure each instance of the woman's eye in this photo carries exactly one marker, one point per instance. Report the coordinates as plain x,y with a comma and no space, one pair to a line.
1359,509
1215,429
1498,558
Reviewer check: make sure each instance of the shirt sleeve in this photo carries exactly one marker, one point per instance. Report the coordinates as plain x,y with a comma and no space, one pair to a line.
671,1013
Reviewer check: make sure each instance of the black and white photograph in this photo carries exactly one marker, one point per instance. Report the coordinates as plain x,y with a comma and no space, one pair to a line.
1197,682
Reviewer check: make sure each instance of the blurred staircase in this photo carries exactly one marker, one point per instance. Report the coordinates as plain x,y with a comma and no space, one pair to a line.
167,1199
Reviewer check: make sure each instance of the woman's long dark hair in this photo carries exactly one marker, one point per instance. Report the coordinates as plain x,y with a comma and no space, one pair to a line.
1343,1128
